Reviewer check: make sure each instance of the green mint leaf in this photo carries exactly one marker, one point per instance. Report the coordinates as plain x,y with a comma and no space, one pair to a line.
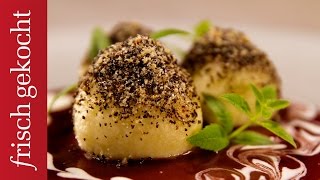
237,101
266,112
258,107
212,137
202,28
269,92
220,111
60,94
251,138
257,93
276,129
99,41
278,104
166,32
217,136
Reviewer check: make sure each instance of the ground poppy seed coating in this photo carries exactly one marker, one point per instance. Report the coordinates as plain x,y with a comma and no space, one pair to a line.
225,61
120,32
147,101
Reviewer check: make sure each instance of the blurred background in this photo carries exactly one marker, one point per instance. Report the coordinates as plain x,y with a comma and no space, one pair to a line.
288,30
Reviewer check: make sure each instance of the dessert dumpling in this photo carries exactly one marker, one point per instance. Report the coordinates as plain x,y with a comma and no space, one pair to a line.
225,61
124,30
120,32
136,102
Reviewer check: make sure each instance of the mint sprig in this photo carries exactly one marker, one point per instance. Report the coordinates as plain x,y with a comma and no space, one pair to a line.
223,116
238,102
202,28
167,32
99,41
269,92
61,93
248,137
219,135
199,30
276,129
212,137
